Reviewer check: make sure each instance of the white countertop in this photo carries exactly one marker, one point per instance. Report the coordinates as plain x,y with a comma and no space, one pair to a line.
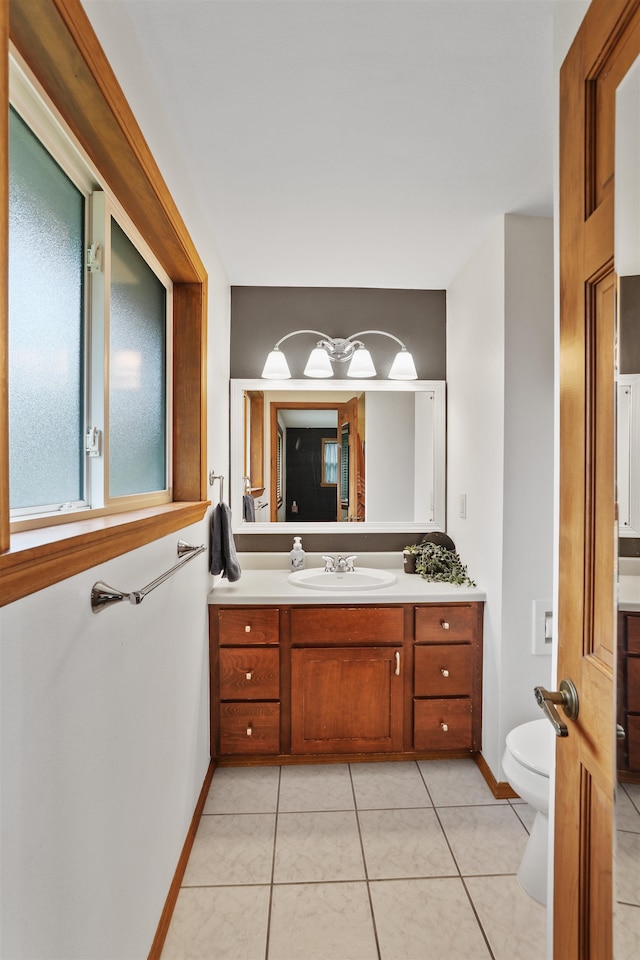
628,593
261,582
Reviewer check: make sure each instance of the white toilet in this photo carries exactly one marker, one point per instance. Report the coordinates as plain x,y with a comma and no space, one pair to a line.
527,763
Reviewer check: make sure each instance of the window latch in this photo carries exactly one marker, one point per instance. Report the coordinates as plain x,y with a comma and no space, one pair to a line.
92,442
94,263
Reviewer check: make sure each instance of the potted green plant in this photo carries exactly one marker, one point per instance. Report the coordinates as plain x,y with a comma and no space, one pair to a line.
436,562
409,555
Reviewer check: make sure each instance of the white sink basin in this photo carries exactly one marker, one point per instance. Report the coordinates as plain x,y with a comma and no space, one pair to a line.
354,580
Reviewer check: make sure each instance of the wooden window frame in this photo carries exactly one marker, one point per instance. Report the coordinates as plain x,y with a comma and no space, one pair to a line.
56,40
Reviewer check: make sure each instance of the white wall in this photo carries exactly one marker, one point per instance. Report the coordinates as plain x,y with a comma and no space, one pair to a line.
528,482
475,446
105,745
500,454
105,718
390,455
118,39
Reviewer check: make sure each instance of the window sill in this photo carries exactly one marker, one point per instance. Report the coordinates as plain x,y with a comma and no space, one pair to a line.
39,558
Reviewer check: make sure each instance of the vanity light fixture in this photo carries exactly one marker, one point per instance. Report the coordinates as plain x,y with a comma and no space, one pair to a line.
338,350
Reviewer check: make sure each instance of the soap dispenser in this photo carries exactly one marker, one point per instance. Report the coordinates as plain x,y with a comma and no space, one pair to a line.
297,554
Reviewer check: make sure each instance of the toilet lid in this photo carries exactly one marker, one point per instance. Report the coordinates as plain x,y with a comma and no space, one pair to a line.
533,745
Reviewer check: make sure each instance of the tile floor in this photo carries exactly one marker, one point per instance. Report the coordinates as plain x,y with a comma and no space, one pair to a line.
627,873
357,862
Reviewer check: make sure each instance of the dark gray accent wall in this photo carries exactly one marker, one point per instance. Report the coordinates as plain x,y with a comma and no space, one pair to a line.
629,350
353,542
629,360
261,315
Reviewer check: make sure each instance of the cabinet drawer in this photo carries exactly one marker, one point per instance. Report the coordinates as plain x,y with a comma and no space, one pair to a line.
443,670
249,728
439,623
312,626
442,725
248,626
249,673
633,742
633,684
633,634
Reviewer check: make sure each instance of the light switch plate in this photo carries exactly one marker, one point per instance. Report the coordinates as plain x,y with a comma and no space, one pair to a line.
542,627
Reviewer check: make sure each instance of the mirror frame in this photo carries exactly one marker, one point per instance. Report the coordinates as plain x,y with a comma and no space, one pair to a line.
628,454
236,487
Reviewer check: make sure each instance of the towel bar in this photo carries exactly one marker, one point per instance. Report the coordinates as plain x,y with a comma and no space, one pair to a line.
212,479
102,595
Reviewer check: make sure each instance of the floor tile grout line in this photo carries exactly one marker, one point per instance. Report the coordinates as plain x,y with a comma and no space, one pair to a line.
426,785
273,866
624,785
478,920
364,863
521,821
303,883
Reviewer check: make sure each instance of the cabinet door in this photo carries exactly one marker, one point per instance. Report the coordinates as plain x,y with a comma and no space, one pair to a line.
346,700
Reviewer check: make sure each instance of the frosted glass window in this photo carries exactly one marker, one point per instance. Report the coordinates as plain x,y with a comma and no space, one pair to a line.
137,373
329,462
46,241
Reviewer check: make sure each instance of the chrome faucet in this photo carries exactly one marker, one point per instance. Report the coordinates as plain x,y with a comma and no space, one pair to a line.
341,565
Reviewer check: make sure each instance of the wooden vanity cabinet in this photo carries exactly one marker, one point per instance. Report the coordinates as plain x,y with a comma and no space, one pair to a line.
629,695
339,681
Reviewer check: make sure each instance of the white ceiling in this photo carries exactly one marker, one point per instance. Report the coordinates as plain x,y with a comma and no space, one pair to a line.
363,143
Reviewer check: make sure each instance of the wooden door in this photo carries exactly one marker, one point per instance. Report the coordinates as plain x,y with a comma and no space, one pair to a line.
346,700
353,507
276,441
606,45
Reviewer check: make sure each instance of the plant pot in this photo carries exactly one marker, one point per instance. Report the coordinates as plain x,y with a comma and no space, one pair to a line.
409,562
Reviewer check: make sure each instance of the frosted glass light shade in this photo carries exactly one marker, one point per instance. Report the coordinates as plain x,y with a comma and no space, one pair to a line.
318,364
276,366
403,367
361,365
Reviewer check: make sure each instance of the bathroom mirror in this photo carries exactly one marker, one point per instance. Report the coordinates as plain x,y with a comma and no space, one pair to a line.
376,452
627,267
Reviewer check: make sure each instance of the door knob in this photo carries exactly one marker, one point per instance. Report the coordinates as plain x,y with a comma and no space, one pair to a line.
567,697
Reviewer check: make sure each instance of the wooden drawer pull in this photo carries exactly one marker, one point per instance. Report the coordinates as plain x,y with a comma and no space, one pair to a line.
445,624
445,727
247,628
248,675
250,730
444,671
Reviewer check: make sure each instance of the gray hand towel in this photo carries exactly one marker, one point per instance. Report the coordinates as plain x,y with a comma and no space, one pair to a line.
223,557
248,508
